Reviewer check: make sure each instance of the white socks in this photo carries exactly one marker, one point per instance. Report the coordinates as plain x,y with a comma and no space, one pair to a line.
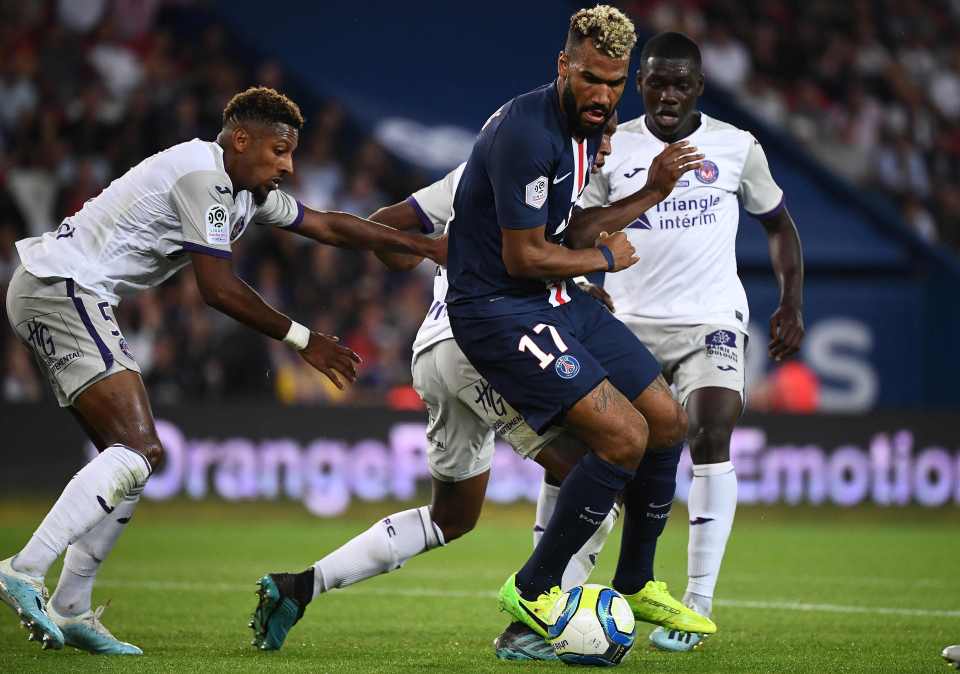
581,565
711,504
88,498
84,557
382,548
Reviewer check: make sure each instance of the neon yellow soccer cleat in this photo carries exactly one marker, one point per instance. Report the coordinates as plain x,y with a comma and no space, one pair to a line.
653,604
534,614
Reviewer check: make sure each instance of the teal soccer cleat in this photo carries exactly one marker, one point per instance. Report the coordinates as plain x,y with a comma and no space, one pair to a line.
676,641
519,642
85,632
27,596
276,613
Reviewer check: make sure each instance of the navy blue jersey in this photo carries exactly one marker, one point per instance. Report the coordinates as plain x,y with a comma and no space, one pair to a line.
525,171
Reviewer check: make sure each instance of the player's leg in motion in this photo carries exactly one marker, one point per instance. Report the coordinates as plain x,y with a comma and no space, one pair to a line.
616,434
88,517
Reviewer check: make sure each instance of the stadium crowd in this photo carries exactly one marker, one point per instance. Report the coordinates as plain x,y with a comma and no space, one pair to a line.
870,87
88,90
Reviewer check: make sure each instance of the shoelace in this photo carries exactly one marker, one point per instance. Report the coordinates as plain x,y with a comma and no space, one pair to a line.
97,625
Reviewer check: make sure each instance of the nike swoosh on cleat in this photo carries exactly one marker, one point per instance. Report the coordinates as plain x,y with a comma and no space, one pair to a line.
103,504
700,520
562,178
533,615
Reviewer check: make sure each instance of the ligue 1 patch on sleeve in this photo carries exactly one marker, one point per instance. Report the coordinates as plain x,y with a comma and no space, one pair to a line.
537,192
216,220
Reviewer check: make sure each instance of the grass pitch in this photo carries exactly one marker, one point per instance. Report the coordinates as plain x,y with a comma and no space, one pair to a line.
803,590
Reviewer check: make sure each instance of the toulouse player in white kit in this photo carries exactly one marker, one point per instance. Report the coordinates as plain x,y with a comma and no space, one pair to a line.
186,204
684,299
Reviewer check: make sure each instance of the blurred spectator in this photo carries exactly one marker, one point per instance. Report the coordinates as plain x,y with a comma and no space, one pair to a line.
872,88
87,90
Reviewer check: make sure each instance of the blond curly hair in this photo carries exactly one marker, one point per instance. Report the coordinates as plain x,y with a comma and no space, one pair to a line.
609,29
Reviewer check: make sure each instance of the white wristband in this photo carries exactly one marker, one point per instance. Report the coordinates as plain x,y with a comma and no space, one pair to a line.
297,336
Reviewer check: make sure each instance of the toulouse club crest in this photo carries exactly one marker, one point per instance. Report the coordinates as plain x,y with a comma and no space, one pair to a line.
708,172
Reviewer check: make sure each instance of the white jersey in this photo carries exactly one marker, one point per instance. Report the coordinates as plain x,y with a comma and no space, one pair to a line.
138,231
687,273
434,205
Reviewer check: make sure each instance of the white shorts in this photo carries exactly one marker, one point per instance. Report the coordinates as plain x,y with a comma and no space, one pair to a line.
464,415
695,356
72,333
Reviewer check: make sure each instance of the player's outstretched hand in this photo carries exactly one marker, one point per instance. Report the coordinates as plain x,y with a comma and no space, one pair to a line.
786,332
441,251
667,167
325,354
624,254
599,294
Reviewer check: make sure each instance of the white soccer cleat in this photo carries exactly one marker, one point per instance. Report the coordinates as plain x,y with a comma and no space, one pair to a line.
952,655
27,596
675,641
86,633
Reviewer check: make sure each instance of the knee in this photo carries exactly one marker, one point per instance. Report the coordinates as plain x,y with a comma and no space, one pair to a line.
710,443
153,451
673,430
453,525
626,445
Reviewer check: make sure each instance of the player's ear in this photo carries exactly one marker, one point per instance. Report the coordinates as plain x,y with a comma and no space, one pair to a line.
240,138
563,64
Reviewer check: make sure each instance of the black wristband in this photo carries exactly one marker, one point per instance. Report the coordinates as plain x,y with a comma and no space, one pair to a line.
608,256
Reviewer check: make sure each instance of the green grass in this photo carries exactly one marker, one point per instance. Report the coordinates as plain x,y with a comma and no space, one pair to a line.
182,587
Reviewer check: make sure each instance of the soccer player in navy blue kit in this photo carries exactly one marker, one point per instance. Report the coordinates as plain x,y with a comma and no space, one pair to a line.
550,350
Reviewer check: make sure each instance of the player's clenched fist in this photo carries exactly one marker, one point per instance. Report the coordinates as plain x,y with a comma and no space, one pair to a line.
325,354
624,254
669,165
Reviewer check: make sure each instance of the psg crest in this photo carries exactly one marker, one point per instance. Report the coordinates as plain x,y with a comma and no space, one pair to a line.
707,173
567,366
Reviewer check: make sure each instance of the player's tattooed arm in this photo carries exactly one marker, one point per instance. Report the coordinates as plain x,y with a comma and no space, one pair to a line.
665,171
786,256
348,231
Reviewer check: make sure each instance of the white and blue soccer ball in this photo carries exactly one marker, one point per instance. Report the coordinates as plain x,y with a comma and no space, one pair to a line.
592,625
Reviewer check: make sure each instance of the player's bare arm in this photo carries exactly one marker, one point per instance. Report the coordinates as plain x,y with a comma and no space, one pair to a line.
666,169
527,254
224,291
348,231
786,256
401,216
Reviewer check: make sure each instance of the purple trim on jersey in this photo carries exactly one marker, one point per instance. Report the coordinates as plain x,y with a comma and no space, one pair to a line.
773,211
426,224
297,221
88,324
215,252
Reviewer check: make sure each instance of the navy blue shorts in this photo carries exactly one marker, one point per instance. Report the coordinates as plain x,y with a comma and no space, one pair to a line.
544,362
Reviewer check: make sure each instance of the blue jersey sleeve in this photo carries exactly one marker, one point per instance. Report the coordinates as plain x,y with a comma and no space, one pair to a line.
520,164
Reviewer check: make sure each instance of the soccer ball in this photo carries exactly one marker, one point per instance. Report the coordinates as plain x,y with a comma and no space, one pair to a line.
592,625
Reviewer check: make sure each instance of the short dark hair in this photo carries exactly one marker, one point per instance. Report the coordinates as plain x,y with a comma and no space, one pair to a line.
671,45
264,105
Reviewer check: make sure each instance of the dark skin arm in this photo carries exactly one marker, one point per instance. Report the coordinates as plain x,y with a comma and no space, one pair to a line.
527,254
348,231
786,256
665,171
222,290
401,216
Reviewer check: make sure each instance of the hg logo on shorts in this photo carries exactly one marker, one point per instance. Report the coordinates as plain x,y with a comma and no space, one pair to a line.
567,366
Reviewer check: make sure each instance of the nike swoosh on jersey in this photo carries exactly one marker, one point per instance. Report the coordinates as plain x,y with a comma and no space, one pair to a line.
563,177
